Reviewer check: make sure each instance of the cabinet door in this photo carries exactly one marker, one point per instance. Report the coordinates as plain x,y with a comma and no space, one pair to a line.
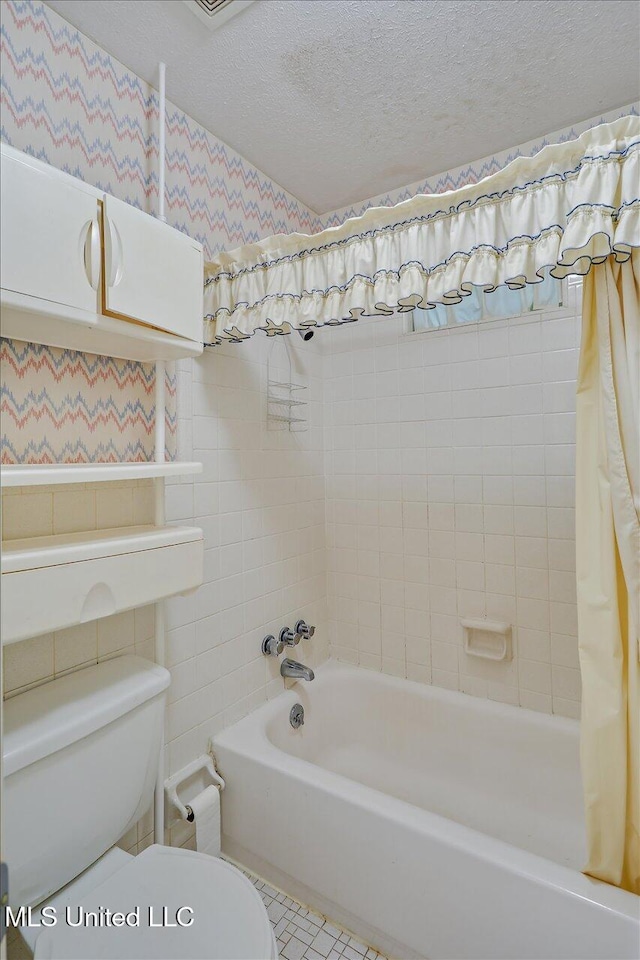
50,237
153,273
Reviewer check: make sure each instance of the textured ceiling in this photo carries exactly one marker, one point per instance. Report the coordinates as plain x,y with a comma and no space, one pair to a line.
340,100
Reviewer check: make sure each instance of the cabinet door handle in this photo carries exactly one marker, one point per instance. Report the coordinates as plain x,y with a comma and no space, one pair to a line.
112,252
92,253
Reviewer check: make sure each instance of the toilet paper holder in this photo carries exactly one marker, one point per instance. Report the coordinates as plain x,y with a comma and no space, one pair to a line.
172,784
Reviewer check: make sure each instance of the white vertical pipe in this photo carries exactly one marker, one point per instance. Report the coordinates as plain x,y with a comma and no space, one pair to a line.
159,438
159,519
161,141
159,512
158,805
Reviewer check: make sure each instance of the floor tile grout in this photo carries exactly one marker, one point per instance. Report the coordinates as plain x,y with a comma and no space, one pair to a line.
302,934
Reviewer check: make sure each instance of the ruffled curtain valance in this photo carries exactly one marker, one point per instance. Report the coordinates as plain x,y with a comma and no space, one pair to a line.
572,205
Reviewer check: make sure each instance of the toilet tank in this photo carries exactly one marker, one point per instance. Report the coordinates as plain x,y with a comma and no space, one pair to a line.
80,757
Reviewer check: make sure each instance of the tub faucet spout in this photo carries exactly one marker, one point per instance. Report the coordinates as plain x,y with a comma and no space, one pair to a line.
295,671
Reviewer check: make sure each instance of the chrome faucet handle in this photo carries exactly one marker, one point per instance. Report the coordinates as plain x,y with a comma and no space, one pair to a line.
290,637
305,630
272,647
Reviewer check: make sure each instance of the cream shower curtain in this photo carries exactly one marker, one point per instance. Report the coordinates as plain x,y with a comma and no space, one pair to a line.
608,567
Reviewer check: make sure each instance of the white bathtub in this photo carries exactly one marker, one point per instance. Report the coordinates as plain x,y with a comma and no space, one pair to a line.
432,824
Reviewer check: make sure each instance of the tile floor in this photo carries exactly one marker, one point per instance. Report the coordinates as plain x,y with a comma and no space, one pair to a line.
304,935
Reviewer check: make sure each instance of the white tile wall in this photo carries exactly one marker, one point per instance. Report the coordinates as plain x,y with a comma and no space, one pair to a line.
450,476
260,502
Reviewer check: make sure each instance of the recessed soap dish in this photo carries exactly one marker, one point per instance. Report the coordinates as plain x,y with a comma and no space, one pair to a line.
488,639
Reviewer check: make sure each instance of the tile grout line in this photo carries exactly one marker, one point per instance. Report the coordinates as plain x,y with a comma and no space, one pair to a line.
302,933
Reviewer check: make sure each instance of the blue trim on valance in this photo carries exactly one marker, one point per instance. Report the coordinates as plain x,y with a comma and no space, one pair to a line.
450,297
439,214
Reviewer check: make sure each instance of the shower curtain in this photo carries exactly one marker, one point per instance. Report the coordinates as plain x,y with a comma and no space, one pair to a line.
608,568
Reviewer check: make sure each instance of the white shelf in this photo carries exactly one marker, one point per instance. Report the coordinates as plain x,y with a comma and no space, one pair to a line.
280,419
35,552
69,328
37,474
79,577
286,385
287,401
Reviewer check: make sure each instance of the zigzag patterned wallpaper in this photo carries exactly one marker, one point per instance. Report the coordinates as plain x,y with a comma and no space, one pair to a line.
66,101
69,103
62,406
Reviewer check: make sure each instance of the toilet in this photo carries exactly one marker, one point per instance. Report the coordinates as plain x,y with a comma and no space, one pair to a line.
80,763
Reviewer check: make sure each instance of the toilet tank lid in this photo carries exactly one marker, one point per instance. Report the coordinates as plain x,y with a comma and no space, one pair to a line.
53,716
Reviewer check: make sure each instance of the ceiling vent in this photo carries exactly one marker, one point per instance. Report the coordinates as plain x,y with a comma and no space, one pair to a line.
215,13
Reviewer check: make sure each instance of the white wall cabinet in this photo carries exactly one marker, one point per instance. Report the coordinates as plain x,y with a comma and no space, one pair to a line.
47,224
153,273
86,271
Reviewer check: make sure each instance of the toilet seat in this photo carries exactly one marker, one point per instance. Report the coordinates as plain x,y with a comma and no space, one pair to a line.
229,918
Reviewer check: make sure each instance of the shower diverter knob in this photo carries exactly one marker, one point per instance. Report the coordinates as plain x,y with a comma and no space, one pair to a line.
290,637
